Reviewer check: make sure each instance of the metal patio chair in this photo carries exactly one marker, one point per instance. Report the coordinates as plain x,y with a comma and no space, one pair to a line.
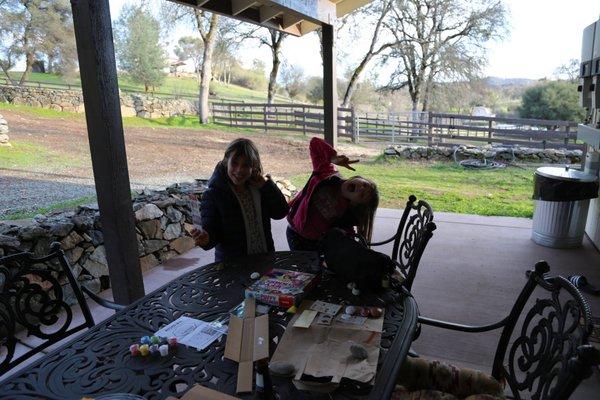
543,350
414,232
32,303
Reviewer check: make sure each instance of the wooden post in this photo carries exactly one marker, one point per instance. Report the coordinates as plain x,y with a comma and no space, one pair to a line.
567,129
329,86
490,132
95,49
429,129
353,121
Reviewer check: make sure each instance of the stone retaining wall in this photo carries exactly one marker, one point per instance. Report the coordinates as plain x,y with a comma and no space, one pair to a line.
145,106
163,224
502,154
4,132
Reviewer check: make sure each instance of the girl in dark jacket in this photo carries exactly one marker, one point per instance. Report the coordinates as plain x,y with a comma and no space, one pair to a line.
238,205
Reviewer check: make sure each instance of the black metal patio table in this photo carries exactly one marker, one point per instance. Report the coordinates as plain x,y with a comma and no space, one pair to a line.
98,361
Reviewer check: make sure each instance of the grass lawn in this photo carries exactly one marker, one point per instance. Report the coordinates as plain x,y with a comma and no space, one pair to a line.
172,86
448,187
24,155
63,205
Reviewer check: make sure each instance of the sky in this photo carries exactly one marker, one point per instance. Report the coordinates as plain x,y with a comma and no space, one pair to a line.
544,34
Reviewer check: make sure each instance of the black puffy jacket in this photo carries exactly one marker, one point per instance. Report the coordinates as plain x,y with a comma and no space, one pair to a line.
223,220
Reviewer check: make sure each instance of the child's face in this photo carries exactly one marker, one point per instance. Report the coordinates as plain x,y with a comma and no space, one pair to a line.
239,169
357,190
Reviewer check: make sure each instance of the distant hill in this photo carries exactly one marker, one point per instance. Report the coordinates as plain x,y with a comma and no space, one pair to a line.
496,81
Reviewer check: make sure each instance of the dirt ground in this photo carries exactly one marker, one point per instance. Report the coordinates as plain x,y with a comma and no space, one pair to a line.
157,157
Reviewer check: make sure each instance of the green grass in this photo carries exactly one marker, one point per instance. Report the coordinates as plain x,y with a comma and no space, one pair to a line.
172,86
63,205
24,155
448,187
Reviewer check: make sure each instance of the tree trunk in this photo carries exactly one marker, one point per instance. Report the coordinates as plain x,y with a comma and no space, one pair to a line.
273,77
206,70
353,82
29,59
276,42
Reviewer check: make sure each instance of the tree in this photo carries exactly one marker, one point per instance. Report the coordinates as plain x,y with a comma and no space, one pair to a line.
440,40
292,78
374,15
189,47
552,100
207,25
139,50
36,29
568,71
273,39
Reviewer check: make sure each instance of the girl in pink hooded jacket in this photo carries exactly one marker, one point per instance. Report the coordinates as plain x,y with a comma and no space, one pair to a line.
329,201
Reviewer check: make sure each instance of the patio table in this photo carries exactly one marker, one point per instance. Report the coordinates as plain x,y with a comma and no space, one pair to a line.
98,361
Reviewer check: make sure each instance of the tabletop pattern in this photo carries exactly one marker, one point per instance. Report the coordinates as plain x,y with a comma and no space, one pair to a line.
98,361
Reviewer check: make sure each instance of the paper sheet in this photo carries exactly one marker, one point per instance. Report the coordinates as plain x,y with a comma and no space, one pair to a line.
193,332
326,308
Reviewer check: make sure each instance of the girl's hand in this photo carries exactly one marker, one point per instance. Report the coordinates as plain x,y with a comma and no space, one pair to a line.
200,237
257,180
343,161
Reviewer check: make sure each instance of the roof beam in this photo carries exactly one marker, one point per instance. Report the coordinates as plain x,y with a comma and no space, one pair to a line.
237,6
267,13
289,20
200,3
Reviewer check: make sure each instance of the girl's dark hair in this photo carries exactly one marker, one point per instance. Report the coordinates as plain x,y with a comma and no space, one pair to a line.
365,213
242,147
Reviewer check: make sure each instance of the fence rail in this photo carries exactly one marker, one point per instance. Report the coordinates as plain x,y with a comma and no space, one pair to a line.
441,129
304,118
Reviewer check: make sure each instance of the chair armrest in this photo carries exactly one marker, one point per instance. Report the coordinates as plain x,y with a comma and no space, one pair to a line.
103,302
382,242
461,327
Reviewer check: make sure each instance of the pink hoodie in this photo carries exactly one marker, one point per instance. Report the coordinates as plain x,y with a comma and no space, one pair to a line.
320,154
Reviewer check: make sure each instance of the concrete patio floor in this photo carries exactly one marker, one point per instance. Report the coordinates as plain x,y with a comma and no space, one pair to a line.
471,272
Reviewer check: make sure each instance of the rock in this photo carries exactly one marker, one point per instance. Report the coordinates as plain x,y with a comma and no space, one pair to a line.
4,139
148,262
86,237
61,229
41,247
173,231
92,284
32,232
74,254
152,245
165,203
182,244
76,270
164,221
174,215
149,211
282,368
151,229
9,241
83,222
72,240
165,255
358,351
97,237
99,255
95,269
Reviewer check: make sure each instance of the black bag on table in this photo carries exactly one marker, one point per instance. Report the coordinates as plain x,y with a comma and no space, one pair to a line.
354,262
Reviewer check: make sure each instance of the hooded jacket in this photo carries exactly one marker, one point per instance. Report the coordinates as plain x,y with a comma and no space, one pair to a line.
222,216
324,173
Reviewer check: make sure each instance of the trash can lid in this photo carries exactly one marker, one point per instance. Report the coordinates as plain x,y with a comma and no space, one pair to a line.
565,174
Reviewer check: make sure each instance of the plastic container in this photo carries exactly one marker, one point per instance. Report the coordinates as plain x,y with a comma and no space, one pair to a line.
562,197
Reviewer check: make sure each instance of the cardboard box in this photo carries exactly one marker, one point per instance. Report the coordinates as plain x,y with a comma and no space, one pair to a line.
198,392
247,341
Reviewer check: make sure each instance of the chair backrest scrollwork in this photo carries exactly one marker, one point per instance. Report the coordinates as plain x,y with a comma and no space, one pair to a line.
32,300
414,231
545,339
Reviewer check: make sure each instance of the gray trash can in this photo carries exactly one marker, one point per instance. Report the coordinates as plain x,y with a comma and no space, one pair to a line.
562,197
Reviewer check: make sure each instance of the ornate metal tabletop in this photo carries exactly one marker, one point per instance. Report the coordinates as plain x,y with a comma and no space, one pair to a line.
99,362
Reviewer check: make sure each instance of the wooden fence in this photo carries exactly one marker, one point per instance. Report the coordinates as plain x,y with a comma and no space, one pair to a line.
397,128
303,118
